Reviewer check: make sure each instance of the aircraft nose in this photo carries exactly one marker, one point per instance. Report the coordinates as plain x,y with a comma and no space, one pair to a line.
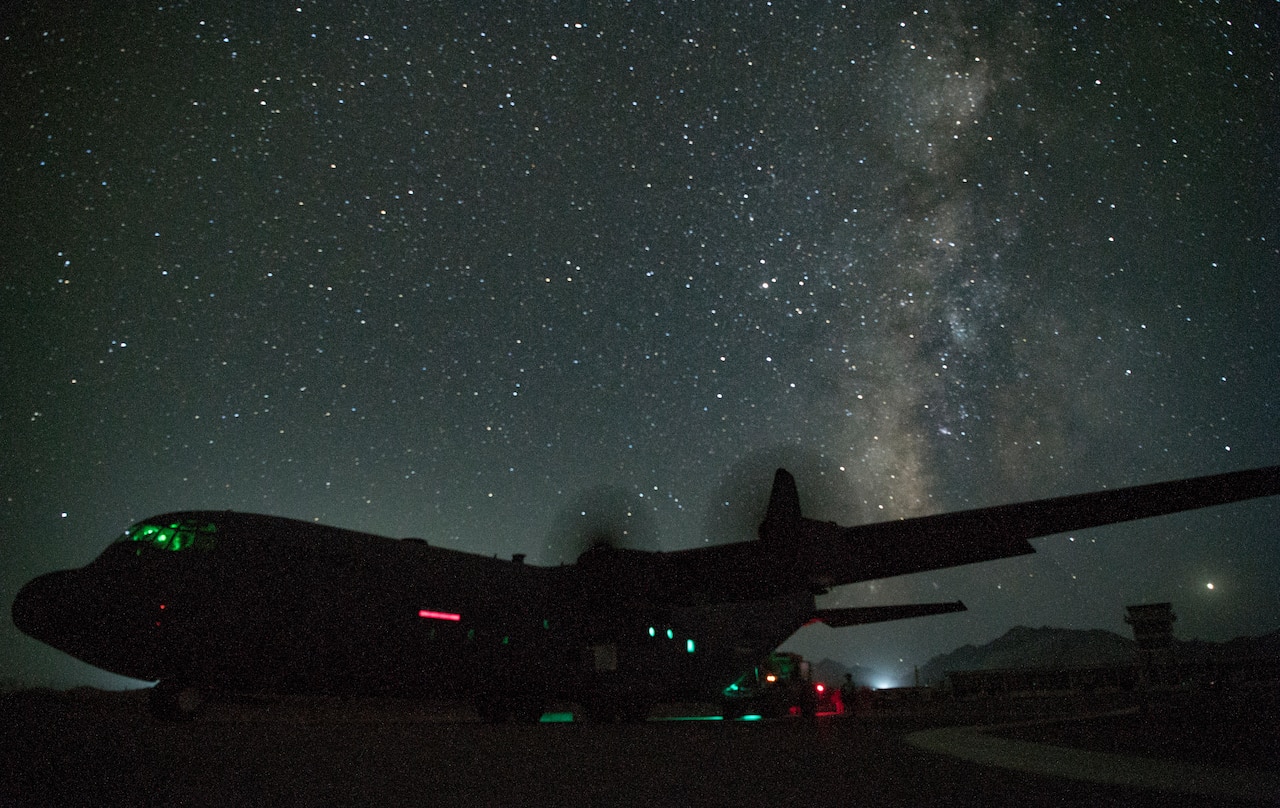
71,612
36,605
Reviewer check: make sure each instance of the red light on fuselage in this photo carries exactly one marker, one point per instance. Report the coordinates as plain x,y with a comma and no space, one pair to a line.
432,615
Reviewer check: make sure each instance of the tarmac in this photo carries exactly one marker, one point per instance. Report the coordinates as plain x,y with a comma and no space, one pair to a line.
89,748
984,745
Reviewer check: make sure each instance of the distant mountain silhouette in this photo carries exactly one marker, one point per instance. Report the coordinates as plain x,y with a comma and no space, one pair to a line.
1046,647
1023,647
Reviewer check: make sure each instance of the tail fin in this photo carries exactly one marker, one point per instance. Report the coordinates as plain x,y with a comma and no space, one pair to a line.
783,513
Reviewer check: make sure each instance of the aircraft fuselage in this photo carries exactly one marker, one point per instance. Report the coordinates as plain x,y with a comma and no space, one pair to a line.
252,603
257,603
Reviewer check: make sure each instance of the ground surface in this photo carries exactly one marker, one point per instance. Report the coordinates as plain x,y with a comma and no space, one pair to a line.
1238,730
90,749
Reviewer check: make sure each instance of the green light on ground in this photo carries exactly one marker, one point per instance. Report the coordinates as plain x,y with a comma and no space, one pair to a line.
688,646
556,718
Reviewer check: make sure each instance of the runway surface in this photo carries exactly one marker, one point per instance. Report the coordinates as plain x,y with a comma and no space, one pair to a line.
87,749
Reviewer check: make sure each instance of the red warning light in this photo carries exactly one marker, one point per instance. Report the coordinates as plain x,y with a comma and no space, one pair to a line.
432,615
820,687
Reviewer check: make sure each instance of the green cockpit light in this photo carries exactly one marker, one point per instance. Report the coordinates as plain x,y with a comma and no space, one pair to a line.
174,536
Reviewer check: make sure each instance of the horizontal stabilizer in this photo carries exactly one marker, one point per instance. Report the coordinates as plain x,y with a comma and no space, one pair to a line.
859,615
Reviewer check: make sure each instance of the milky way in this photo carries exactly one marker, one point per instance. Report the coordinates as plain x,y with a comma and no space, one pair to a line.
466,276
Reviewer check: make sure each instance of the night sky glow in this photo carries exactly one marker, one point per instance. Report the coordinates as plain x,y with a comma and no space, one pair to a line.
438,271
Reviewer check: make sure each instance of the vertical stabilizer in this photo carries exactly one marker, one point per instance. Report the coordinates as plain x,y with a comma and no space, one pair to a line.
784,507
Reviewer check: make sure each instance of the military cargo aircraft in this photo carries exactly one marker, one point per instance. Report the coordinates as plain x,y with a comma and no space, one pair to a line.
220,600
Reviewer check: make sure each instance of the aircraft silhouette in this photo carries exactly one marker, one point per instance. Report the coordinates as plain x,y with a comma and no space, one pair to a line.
242,602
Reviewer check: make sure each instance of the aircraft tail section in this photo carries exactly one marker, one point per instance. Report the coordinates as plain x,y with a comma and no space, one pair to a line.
793,547
783,513
795,553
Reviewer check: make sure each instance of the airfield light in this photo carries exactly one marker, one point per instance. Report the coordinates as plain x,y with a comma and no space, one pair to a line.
771,677
688,646
434,615
820,687
652,631
556,718
671,635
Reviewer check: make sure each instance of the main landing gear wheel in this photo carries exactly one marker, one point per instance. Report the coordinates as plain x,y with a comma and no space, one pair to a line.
175,700
616,710
500,710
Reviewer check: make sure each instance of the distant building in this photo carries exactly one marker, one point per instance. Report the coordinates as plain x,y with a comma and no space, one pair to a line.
1032,681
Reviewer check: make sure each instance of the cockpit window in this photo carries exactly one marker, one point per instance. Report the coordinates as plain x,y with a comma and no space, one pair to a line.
173,536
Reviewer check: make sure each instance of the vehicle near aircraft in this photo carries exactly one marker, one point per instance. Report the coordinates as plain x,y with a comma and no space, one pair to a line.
221,600
782,684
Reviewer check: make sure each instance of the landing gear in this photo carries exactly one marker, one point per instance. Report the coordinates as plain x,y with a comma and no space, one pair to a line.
507,708
175,700
732,709
616,710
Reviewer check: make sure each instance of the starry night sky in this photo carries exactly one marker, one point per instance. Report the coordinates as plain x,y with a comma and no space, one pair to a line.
426,270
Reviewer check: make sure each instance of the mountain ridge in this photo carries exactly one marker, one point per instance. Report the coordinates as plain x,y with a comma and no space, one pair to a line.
1050,647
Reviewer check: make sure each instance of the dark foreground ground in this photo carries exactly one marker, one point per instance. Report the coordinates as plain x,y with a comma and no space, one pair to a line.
88,748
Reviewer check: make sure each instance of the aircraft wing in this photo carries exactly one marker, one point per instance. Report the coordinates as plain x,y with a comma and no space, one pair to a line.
795,552
885,549
862,615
